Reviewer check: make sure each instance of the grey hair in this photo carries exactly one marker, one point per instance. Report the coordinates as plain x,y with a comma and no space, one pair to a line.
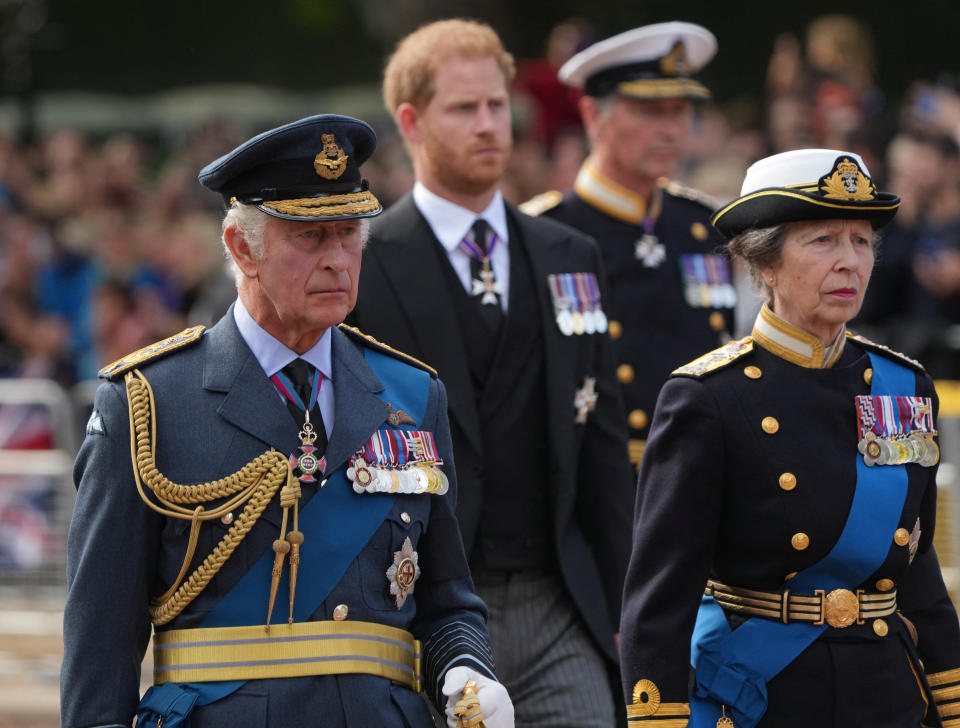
759,248
251,221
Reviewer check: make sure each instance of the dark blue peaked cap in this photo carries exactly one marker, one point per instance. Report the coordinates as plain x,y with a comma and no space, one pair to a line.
306,170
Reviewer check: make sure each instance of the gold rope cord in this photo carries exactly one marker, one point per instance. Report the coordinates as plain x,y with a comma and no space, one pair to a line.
254,484
353,203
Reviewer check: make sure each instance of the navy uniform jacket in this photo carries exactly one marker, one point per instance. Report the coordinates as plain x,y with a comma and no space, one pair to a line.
216,410
654,327
403,302
713,501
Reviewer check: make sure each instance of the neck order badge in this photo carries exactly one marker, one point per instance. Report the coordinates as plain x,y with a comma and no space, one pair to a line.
301,387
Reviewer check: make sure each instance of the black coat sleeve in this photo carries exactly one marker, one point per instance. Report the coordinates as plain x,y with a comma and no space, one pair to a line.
678,509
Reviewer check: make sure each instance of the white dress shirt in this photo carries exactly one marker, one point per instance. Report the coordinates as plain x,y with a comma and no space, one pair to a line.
274,356
451,223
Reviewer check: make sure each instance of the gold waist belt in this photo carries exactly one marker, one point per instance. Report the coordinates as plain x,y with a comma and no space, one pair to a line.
838,608
287,650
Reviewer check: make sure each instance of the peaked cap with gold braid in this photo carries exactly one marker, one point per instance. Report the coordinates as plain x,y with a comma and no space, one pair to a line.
306,170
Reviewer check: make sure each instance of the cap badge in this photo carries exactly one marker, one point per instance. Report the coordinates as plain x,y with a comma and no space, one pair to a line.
847,182
331,162
404,572
675,62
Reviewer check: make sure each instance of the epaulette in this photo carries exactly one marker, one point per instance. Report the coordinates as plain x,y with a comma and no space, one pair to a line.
688,193
716,359
541,203
886,351
156,350
367,340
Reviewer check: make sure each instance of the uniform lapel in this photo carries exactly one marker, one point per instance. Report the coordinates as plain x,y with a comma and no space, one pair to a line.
251,402
407,255
547,255
359,412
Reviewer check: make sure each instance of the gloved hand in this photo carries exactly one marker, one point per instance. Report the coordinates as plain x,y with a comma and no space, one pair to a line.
494,702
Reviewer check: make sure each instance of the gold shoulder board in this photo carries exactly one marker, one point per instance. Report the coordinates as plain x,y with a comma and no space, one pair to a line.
367,340
886,351
154,351
541,203
716,359
688,193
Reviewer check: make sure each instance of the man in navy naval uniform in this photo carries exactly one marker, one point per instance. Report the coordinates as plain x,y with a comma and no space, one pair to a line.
509,309
275,494
671,295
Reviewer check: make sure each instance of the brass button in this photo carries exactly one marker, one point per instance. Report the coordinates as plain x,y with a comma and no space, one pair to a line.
752,372
884,584
868,375
770,425
405,517
637,419
789,576
227,518
699,231
716,321
800,541
340,612
880,628
625,373
788,481
901,537
615,329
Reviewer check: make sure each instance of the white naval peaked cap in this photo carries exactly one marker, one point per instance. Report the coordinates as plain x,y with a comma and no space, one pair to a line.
806,184
653,61
796,168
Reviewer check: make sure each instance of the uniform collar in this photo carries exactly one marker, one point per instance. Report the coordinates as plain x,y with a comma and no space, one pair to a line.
794,344
611,197
450,222
273,355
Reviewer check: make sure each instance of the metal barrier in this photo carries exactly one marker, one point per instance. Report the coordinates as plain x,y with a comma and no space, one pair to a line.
38,442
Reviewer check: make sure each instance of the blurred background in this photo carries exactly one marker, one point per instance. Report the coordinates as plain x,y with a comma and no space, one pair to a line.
107,242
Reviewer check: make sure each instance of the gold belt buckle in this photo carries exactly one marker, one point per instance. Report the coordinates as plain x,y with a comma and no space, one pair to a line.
840,608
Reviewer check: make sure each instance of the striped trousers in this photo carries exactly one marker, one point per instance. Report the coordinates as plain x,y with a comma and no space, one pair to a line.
555,675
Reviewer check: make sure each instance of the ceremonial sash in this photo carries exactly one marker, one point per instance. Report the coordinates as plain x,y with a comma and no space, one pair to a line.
337,523
733,667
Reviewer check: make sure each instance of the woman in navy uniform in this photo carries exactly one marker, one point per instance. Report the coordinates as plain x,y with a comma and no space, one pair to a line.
786,503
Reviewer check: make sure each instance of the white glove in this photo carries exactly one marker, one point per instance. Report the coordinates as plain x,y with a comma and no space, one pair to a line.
494,702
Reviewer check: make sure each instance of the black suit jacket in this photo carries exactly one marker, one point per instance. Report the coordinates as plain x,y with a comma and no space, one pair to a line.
404,301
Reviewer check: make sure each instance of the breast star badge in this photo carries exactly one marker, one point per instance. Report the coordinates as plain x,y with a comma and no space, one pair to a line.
404,572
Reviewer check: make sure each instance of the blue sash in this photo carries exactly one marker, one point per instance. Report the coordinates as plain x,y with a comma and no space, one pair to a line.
734,667
338,523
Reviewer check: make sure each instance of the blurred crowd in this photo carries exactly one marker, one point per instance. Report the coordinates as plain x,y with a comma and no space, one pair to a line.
108,243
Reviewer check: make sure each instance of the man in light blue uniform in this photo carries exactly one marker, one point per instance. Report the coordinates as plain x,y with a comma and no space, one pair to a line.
283,509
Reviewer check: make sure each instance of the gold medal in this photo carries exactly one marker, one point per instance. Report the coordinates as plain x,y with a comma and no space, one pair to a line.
578,325
931,452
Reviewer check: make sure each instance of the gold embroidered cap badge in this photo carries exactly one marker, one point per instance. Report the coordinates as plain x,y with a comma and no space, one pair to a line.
331,162
847,181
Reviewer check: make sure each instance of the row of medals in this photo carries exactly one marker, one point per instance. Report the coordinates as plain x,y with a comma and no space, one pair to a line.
710,295
581,322
413,478
917,447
